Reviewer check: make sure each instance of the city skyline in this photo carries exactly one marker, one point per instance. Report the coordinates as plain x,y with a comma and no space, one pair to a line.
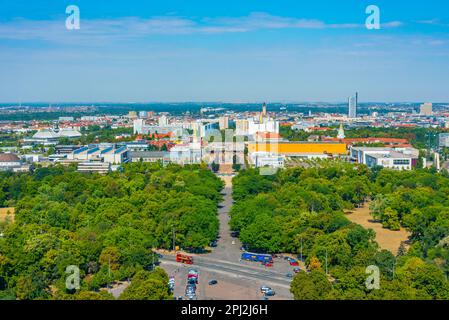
252,52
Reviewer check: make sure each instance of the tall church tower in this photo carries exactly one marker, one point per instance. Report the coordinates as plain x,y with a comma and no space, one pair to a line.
341,132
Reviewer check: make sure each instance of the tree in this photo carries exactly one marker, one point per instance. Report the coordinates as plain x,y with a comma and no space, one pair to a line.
314,264
215,167
148,286
310,286
110,257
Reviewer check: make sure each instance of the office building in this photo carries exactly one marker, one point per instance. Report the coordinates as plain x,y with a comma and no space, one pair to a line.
132,114
149,156
140,126
393,158
143,114
94,167
241,127
426,109
163,121
100,153
223,123
443,140
352,105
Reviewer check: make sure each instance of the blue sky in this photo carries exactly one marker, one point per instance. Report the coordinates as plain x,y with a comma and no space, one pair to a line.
233,51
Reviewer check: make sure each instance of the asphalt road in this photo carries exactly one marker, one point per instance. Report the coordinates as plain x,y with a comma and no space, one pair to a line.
238,279
238,271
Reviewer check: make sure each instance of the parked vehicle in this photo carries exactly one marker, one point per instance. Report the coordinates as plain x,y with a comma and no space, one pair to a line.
264,289
267,264
213,282
193,271
191,287
269,293
192,276
191,296
296,270
257,257
183,258
294,263
289,275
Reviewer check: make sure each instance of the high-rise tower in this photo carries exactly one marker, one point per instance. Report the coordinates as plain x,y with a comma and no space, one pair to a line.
352,104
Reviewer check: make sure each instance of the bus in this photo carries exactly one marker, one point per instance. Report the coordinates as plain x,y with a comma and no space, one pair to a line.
183,258
257,257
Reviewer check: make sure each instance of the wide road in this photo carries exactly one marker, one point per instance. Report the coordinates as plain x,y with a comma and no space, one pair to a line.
236,279
230,269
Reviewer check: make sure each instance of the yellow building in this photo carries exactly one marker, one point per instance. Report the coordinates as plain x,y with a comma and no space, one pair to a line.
292,149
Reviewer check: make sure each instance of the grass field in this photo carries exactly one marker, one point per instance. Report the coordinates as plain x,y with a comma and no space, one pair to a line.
387,239
6,213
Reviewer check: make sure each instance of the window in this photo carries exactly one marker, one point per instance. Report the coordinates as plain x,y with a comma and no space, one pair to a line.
399,162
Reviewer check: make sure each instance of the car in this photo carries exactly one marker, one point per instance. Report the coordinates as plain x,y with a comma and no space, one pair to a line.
191,296
190,292
160,256
294,263
289,275
296,270
213,244
267,264
191,286
213,282
191,281
193,271
269,293
264,289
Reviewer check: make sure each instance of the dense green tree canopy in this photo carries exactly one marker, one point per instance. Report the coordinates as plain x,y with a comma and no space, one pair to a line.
106,225
301,211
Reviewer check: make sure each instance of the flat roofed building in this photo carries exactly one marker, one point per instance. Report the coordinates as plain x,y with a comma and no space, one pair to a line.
444,140
104,153
149,156
297,148
393,160
65,149
426,109
223,123
94,167
265,159
268,137
399,159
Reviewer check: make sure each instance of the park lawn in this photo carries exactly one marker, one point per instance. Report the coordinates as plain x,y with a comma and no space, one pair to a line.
387,239
6,213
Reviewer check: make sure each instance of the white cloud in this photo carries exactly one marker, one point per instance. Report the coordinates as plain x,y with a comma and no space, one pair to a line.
134,27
